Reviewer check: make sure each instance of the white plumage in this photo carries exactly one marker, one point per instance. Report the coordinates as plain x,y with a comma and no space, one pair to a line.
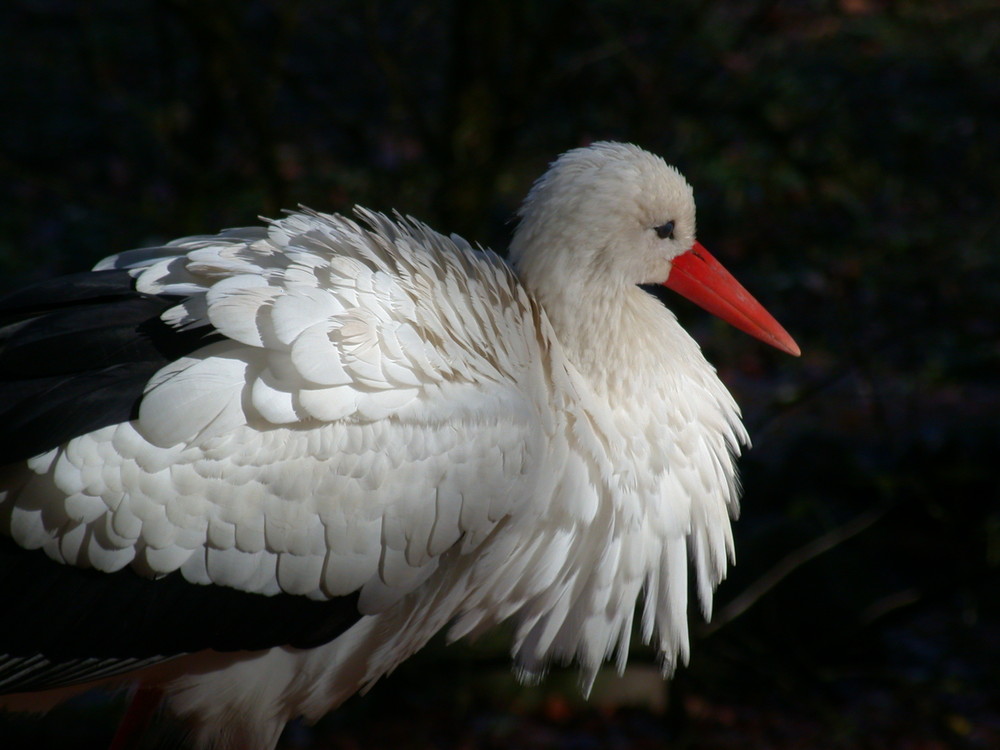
393,412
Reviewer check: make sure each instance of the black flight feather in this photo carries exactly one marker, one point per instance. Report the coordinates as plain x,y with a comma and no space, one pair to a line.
62,624
76,354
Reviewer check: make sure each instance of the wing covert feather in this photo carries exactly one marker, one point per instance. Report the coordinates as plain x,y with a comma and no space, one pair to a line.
374,403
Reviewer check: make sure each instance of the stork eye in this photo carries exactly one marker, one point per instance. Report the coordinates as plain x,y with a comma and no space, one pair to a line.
665,231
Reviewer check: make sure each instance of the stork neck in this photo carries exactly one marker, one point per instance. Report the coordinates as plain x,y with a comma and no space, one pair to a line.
620,338
618,341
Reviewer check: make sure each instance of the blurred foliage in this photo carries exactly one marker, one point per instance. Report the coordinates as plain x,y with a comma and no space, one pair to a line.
843,154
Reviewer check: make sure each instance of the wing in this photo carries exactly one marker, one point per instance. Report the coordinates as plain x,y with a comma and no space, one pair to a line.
320,408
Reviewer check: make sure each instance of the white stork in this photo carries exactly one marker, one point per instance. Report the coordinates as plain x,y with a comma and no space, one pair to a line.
255,471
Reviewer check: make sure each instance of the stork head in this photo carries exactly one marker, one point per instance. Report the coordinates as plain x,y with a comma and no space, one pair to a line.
612,215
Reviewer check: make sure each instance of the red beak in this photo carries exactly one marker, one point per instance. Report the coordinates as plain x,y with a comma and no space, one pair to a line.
702,279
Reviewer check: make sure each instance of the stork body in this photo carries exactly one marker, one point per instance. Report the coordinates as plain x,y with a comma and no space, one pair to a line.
260,469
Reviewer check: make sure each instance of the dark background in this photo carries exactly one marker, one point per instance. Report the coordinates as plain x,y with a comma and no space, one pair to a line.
844,155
